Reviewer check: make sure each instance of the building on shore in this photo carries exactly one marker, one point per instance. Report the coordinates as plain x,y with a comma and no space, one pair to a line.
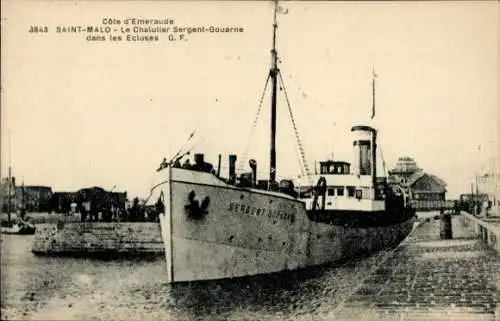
95,198
34,198
426,191
489,184
6,187
61,201
98,197
487,181
404,169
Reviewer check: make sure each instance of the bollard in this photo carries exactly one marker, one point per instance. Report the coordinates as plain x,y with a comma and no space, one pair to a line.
446,232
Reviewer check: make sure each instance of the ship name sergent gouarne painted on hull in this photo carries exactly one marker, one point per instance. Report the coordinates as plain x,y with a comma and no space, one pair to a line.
255,211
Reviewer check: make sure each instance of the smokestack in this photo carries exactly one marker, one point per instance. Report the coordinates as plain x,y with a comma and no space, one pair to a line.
218,165
199,159
363,150
374,157
232,169
253,166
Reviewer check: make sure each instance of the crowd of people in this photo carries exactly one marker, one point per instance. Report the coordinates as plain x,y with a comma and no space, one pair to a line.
199,164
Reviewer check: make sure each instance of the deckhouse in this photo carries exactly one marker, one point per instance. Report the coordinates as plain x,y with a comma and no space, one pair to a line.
345,188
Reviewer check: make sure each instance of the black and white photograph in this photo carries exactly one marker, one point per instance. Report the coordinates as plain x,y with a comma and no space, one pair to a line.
250,160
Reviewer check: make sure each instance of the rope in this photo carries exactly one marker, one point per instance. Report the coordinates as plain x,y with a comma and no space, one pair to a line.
203,138
301,148
304,94
313,100
297,153
183,146
254,125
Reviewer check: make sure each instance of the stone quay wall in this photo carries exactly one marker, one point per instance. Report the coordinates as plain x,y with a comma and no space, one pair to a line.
488,232
86,238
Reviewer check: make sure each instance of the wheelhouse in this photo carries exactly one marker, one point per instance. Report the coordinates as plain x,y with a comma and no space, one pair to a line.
335,168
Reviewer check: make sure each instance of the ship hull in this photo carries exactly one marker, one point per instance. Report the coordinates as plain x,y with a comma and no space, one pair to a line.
241,232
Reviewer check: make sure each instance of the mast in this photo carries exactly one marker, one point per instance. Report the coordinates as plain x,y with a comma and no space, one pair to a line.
374,137
10,182
373,93
10,196
274,77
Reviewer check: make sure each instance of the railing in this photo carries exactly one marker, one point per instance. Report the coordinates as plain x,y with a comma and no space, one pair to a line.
432,205
488,232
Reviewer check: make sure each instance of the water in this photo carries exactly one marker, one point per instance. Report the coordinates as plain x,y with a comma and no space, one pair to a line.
50,288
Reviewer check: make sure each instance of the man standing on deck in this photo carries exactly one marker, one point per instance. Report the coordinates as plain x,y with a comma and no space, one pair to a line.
187,164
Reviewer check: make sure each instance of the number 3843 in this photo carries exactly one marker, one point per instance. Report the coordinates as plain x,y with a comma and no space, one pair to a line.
37,29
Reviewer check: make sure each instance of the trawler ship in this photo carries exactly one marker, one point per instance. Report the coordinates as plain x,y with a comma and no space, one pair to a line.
217,228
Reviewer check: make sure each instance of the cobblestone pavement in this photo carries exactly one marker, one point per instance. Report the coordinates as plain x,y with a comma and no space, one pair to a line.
430,279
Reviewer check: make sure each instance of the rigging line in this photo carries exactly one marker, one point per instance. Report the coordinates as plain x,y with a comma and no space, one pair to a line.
304,94
203,138
188,151
301,148
183,146
294,126
297,153
149,196
312,99
215,127
308,97
254,125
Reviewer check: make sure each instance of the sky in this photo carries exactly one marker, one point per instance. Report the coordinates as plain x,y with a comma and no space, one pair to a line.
78,113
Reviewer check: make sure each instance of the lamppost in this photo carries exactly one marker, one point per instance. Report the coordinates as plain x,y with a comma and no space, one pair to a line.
478,198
